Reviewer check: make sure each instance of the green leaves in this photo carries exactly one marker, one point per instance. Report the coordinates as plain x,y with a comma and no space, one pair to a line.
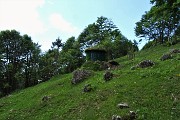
161,22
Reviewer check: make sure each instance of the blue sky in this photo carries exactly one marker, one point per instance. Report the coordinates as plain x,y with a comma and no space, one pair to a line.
45,20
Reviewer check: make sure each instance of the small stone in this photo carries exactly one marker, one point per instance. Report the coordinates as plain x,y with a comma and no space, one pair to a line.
133,67
132,115
116,117
123,105
87,88
108,76
45,98
165,57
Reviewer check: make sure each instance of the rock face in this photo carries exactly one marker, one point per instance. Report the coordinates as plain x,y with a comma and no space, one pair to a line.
145,63
165,57
108,76
80,75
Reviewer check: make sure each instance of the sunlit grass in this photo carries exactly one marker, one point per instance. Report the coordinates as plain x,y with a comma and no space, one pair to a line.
153,93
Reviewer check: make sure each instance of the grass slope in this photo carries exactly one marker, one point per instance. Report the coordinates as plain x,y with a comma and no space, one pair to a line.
154,93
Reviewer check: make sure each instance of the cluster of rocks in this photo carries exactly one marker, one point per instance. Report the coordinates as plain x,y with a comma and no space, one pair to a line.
80,75
108,76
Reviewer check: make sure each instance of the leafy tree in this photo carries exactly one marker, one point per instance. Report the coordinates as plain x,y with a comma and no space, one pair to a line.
96,33
71,56
17,64
58,43
161,22
104,34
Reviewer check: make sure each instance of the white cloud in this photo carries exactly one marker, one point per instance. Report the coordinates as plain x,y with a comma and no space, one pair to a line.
21,15
61,24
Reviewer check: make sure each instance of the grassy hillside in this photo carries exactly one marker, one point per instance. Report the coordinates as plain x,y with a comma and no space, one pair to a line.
153,93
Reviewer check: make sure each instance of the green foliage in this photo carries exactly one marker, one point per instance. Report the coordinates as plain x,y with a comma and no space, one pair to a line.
104,34
19,57
95,66
161,23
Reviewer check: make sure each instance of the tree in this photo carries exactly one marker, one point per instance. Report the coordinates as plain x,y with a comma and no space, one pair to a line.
58,43
71,57
96,32
17,60
104,34
161,22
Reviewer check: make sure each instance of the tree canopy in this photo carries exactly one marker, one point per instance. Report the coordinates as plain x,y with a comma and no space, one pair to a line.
161,23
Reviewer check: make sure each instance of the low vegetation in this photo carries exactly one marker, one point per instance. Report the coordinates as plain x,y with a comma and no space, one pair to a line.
152,93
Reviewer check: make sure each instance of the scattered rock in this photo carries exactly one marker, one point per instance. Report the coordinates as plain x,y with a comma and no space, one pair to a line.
80,75
87,88
45,98
165,57
132,115
123,105
145,63
174,51
112,64
108,76
116,117
133,67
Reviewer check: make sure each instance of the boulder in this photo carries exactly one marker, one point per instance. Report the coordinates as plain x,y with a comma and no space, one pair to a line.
145,63
80,75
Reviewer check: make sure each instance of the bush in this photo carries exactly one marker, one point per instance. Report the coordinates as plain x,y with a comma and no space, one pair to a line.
95,66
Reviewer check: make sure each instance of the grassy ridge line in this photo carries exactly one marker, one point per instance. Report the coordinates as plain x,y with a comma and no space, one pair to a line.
147,91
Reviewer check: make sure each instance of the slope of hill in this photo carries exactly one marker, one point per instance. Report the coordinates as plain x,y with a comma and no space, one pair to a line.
153,93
